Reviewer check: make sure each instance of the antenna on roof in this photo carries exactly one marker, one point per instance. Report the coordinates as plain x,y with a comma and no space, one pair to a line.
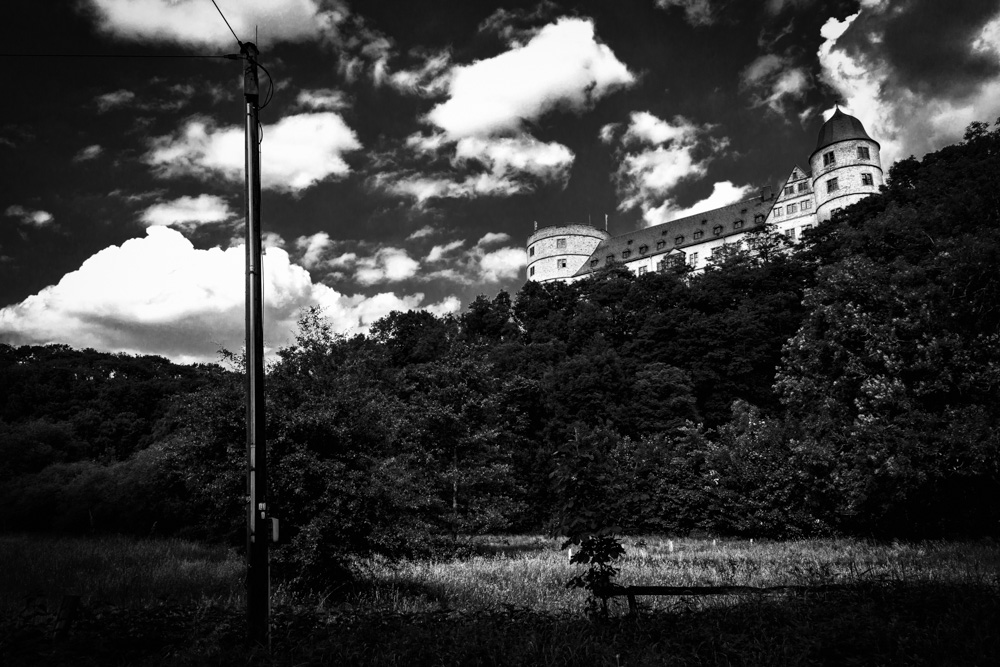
536,225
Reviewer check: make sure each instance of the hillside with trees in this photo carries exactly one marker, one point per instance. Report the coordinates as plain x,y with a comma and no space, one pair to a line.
845,385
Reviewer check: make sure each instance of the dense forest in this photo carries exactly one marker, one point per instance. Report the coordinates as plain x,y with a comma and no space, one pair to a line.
844,385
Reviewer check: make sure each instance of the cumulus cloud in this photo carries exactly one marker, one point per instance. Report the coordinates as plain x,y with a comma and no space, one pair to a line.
438,252
563,66
198,22
160,295
654,157
188,210
424,231
914,75
723,194
297,152
88,153
313,248
387,265
697,12
516,26
37,218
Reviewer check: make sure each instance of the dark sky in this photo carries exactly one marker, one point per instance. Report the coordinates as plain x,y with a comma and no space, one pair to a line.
410,146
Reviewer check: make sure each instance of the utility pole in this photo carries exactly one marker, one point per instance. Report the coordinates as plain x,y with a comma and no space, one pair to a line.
258,523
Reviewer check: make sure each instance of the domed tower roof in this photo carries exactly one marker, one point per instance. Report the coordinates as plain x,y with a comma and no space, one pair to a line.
840,127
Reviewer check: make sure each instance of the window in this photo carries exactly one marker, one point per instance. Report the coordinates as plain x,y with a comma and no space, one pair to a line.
806,205
594,262
643,248
531,251
611,258
778,211
561,263
803,186
717,230
831,185
560,244
630,242
793,208
531,271
737,224
660,244
863,153
866,179
678,240
626,254
698,234
717,251
829,158
790,234
805,227
758,218
692,258
642,270
790,190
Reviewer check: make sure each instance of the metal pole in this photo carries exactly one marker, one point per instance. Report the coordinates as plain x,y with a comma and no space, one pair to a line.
258,525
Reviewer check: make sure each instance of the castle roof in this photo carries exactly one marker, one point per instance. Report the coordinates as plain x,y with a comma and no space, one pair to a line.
718,223
840,127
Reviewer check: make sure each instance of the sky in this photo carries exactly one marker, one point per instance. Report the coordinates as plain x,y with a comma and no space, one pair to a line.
410,146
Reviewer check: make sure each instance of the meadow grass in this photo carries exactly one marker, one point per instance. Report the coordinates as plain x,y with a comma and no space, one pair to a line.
179,603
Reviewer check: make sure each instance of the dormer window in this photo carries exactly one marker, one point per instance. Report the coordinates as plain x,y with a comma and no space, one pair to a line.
737,224
717,230
630,242
698,234
678,239
611,258
759,218
594,262
643,248
626,254
660,244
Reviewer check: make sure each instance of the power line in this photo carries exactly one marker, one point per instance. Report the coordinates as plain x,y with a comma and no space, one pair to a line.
227,24
227,56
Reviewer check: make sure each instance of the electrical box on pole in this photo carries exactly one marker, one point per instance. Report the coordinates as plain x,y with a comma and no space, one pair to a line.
258,522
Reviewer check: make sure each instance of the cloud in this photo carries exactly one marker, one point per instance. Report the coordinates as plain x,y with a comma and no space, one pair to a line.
29,217
478,264
447,306
312,248
429,78
387,265
88,153
563,66
160,295
109,101
774,82
424,231
188,210
723,194
321,99
655,156
482,166
914,75
697,12
515,26
198,22
297,152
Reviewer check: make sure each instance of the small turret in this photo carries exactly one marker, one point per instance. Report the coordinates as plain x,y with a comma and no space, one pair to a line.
558,252
846,166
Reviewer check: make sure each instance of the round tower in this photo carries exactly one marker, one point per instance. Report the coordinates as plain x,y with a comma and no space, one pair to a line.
558,252
846,166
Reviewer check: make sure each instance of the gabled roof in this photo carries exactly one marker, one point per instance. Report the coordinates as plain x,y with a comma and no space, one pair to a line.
706,222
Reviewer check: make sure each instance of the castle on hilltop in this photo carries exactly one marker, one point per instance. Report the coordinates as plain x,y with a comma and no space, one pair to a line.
843,169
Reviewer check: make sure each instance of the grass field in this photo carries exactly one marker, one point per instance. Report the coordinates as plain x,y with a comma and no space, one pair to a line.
172,602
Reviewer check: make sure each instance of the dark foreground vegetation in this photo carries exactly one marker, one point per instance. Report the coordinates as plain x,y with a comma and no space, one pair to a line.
846,387
169,602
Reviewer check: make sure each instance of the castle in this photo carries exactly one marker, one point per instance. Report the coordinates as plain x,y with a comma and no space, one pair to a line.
843,169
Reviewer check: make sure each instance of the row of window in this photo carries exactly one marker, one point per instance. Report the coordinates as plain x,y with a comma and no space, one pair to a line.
803,187
829,158
833,184
792,209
